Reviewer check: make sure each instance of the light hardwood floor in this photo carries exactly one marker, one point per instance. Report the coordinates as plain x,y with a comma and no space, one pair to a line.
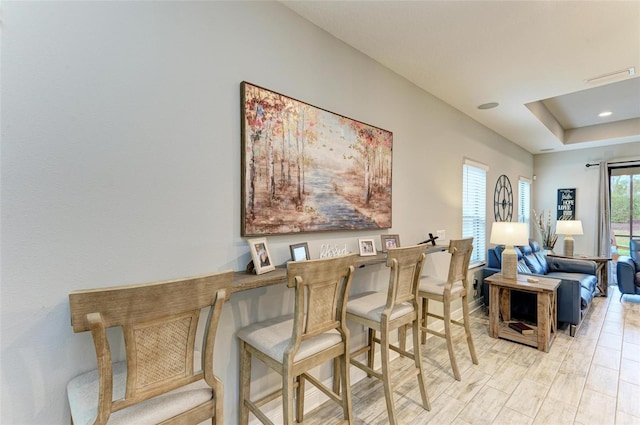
593,378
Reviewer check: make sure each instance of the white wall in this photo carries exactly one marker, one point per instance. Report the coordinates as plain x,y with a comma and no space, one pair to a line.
121,164
563,170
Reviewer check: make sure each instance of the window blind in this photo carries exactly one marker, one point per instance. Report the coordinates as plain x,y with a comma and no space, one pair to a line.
474,209
524,201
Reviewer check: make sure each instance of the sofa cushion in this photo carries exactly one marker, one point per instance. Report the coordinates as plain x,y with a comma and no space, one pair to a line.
586,297
634,250
535,259
534,264
588,285
542,259
587,281
522,267
535,246
638,279
525,250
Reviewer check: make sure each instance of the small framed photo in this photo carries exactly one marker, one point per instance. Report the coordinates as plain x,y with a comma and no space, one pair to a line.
389,241
299,251
262,261
367,247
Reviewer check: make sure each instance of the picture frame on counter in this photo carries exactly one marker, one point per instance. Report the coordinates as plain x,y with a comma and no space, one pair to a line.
299,251
367,247
389,241
262,260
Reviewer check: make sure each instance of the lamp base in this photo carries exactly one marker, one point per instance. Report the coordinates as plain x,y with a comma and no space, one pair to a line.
509,263
568,246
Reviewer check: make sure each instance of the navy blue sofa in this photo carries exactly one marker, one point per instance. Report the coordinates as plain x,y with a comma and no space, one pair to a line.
575,293
628,270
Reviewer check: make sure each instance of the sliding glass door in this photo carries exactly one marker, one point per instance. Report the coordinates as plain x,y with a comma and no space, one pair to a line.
625,206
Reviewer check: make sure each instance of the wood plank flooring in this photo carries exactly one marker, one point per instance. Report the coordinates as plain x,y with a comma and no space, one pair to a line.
593,378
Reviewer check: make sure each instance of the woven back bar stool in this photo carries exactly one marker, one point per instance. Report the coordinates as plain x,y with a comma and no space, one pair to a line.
292,345
160,381
456,286
386,311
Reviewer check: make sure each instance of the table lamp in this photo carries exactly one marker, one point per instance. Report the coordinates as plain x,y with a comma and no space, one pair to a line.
509,234
568,228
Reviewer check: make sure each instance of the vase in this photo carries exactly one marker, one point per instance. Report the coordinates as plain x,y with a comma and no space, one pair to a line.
547,250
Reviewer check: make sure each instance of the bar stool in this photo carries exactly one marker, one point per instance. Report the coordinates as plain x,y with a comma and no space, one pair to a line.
292,345
163,380
386,311
445,291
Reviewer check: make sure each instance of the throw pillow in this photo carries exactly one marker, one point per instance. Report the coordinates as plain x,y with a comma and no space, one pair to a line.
542,260
533,264
522,267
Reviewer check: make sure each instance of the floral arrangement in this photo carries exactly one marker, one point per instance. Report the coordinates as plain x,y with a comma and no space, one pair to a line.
545,229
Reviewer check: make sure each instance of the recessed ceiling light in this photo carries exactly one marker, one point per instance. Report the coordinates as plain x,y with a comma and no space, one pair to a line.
605,114
489,105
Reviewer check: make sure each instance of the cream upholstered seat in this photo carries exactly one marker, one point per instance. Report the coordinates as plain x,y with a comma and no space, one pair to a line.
445,291
386,311
158,382
294,344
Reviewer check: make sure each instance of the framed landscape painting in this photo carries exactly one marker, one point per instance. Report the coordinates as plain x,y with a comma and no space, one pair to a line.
305,169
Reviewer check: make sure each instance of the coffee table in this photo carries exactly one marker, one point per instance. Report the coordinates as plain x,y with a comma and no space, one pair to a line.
545,290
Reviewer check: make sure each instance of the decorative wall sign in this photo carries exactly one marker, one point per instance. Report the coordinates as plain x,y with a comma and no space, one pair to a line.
503,199
305,169
566,204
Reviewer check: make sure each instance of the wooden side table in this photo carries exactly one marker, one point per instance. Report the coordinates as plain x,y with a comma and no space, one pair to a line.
602,269
500,309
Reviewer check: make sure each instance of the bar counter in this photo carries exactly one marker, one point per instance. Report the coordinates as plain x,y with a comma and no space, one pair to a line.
243,281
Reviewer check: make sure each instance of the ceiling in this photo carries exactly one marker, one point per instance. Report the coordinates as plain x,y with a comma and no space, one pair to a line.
532,57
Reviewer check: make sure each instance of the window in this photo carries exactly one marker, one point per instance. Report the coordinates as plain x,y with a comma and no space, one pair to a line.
474,209
524,201
625,206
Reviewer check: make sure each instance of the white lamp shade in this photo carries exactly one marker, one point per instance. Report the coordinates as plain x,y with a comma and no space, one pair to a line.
509,233
569,227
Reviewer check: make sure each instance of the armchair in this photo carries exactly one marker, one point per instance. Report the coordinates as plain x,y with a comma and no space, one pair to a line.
628,270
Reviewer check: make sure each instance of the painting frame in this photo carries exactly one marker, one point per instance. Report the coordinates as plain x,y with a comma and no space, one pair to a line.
299,251
367,247
303,167
261,256
389,241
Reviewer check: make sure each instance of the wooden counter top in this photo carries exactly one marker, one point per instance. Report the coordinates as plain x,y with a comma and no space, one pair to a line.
243,281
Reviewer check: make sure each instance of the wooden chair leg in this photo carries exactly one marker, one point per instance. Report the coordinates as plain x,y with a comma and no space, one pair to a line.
372,350
337,374
347,409
402,337
300,399
447,333
219,409
425,311
287,399
417,356
386,379
467,330
245,383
